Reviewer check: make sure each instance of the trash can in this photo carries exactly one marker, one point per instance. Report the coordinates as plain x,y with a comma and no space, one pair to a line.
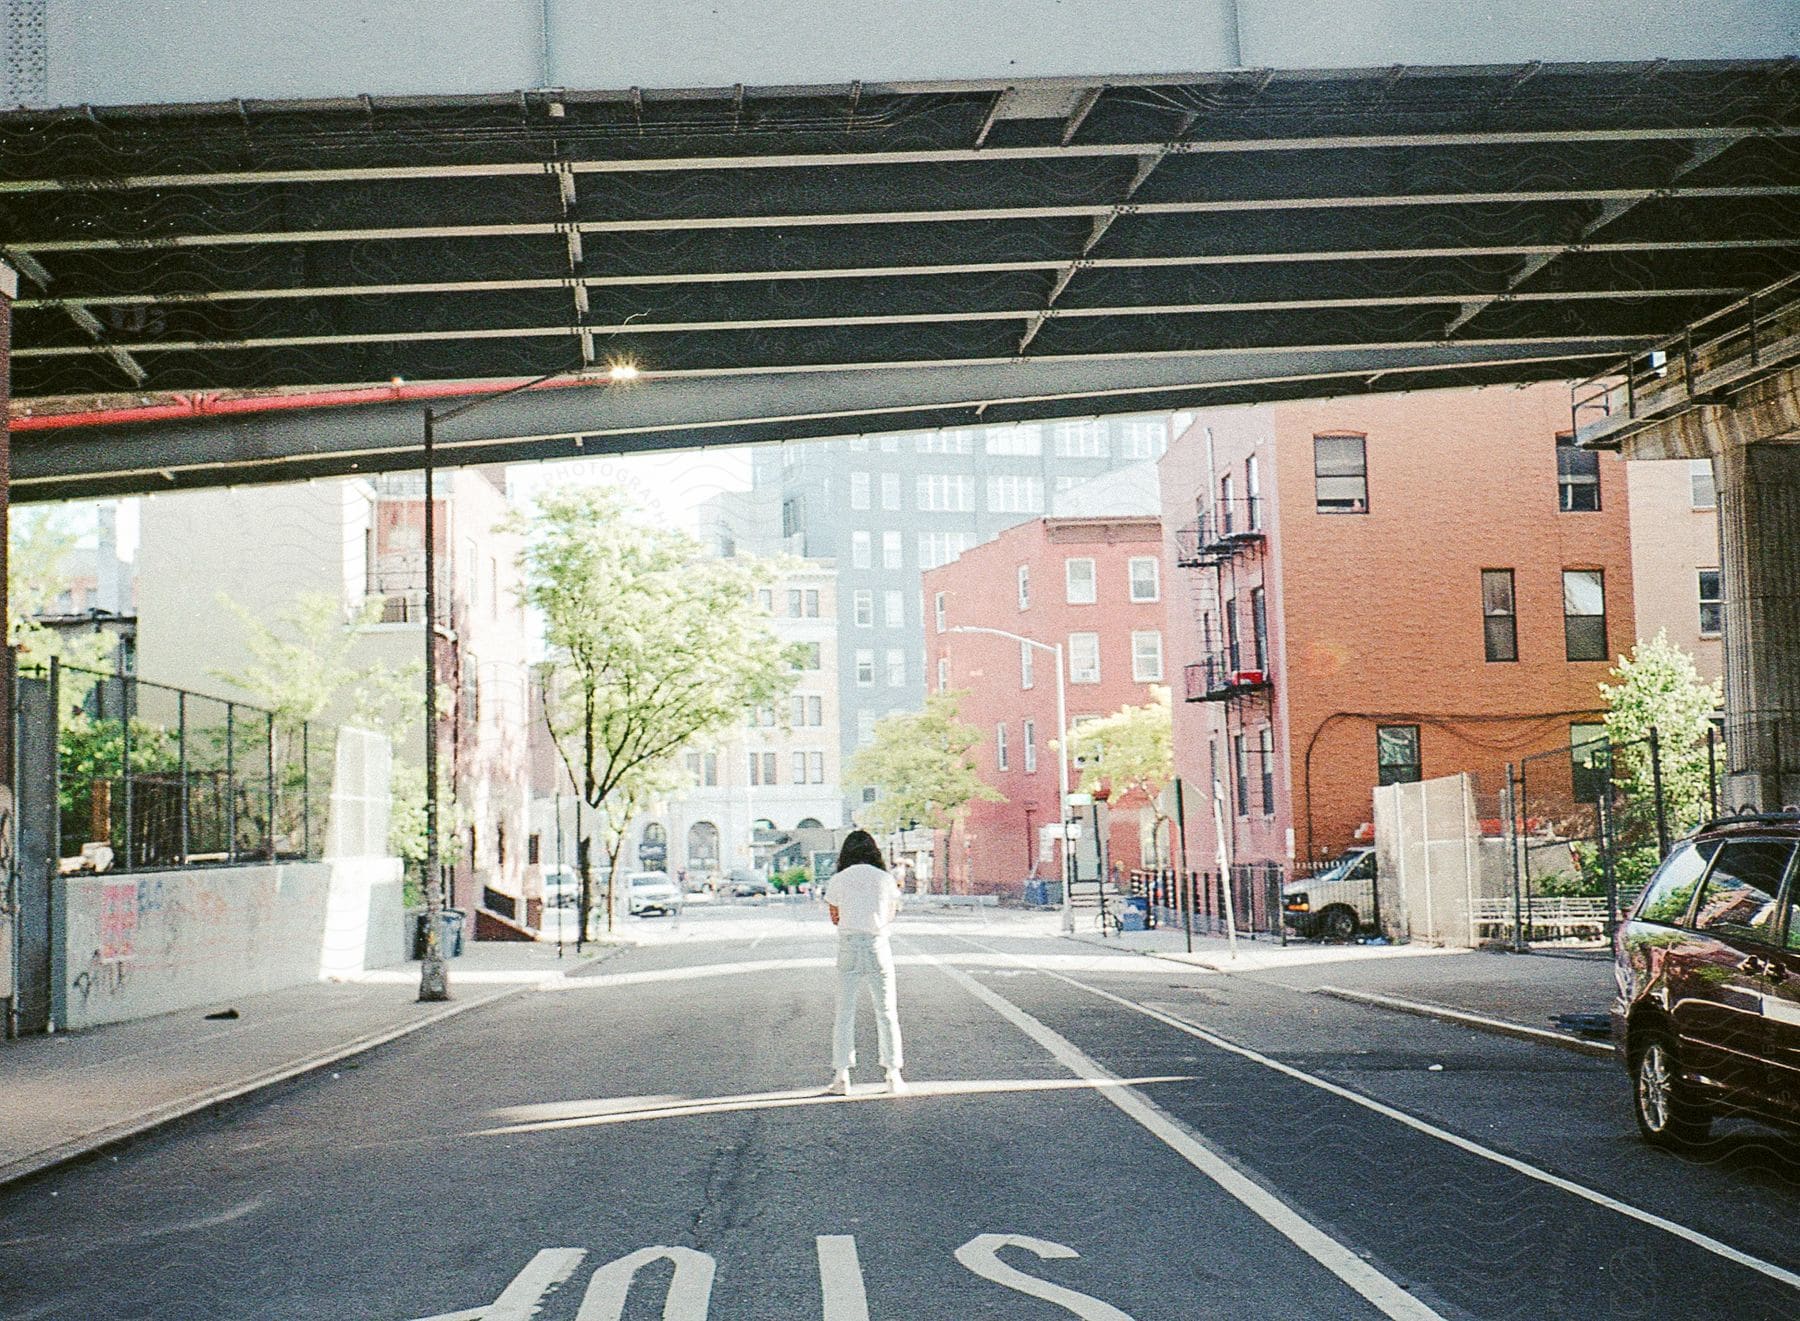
451,922
1137,913
1037,894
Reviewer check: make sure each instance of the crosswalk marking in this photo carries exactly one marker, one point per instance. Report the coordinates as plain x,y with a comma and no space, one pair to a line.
841,1279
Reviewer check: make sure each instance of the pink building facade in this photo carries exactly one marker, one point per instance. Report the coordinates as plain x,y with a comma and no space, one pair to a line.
1095,585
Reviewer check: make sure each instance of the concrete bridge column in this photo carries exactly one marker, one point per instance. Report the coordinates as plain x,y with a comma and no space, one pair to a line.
1759,527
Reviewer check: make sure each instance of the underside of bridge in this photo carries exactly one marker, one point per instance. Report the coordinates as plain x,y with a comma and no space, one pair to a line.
785,263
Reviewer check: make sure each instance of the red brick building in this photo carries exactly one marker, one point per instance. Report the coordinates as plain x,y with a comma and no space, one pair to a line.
1376,589
1096,585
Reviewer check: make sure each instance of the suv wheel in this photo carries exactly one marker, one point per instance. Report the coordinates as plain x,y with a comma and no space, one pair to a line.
1337,923
1666,1115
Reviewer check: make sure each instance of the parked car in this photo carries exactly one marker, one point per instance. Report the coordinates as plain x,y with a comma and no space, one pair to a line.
746,884
1707,1019
651,892
1336,903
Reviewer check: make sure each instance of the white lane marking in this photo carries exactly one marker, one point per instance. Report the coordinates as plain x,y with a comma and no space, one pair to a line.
524,1297
690,1290
1694,1236
1378,1289
841,1278
556,983
981,1255
600,1113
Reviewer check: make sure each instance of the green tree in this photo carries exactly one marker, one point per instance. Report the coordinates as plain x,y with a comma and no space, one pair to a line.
1657,688
39,544
651,644
920,767
1132,751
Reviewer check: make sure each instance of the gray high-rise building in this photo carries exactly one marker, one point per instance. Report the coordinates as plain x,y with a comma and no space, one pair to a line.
886,508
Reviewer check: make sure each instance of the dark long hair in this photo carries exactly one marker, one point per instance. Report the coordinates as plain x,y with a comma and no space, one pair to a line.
859,847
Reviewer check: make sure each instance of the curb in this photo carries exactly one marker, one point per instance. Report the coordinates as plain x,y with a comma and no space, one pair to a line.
149,1122
1480,1022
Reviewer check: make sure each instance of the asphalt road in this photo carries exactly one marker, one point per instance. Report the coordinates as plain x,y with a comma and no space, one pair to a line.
1089,1135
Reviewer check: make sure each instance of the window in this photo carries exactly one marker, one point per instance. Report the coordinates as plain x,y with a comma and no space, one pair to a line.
865,734
1712,603
815,710
1027,666
1738,901
1228,519
937,610
1024,587
799,768
890,444
1015,494
893,609
1499,615
1078,577
1080,440
793,602
1142,438
859,490
939,548
533,849
1240,757
791,521
859,444
1265,748
762,768
1584,614
943,673
1146,657
809,603
859,550
812,656
803,710
896,667
1702,494
1590,762
1577,477
1029,739
1084,658
1340,474
954,441
890,490
816,764
947,492
1000,755
1397,754
868,793
865,667
1259,628
1670,893
863,602
1234,647
765,598
1024,439
1146,580
890,551
1253,492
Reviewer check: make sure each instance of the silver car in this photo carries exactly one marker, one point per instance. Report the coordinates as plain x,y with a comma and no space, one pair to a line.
1336,903
651,892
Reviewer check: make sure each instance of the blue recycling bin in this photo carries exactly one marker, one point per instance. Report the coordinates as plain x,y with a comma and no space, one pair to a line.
1137,913
1037,894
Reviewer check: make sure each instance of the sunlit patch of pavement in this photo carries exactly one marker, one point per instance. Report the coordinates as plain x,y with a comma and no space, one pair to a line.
636,1109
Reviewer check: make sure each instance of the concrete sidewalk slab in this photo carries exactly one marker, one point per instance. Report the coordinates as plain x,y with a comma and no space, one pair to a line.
69,1095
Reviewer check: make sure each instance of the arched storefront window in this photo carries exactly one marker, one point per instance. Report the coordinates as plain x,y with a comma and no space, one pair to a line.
808,823
702,845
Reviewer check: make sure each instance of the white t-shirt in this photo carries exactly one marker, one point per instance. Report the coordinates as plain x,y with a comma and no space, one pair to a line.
866,899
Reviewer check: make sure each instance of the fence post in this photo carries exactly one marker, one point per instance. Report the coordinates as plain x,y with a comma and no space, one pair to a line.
1656,785
1603,805
306,787
269,756
1187,917
1780,796
1712,771
1515,845
181,778
125,705
230,782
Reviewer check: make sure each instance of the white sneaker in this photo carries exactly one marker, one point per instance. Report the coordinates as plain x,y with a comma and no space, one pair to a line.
896,1085
840,1085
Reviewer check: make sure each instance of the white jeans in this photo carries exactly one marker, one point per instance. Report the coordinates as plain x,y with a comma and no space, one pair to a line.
865,960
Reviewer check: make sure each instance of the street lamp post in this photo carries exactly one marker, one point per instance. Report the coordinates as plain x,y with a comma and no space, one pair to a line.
1062,753
434,978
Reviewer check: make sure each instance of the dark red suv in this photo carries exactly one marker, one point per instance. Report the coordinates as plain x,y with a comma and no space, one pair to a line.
1708,965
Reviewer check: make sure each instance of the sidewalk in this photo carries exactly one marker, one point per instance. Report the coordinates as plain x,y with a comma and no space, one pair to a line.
70,1094
1516,994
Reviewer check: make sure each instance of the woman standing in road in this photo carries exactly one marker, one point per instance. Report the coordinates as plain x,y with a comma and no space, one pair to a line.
863,900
